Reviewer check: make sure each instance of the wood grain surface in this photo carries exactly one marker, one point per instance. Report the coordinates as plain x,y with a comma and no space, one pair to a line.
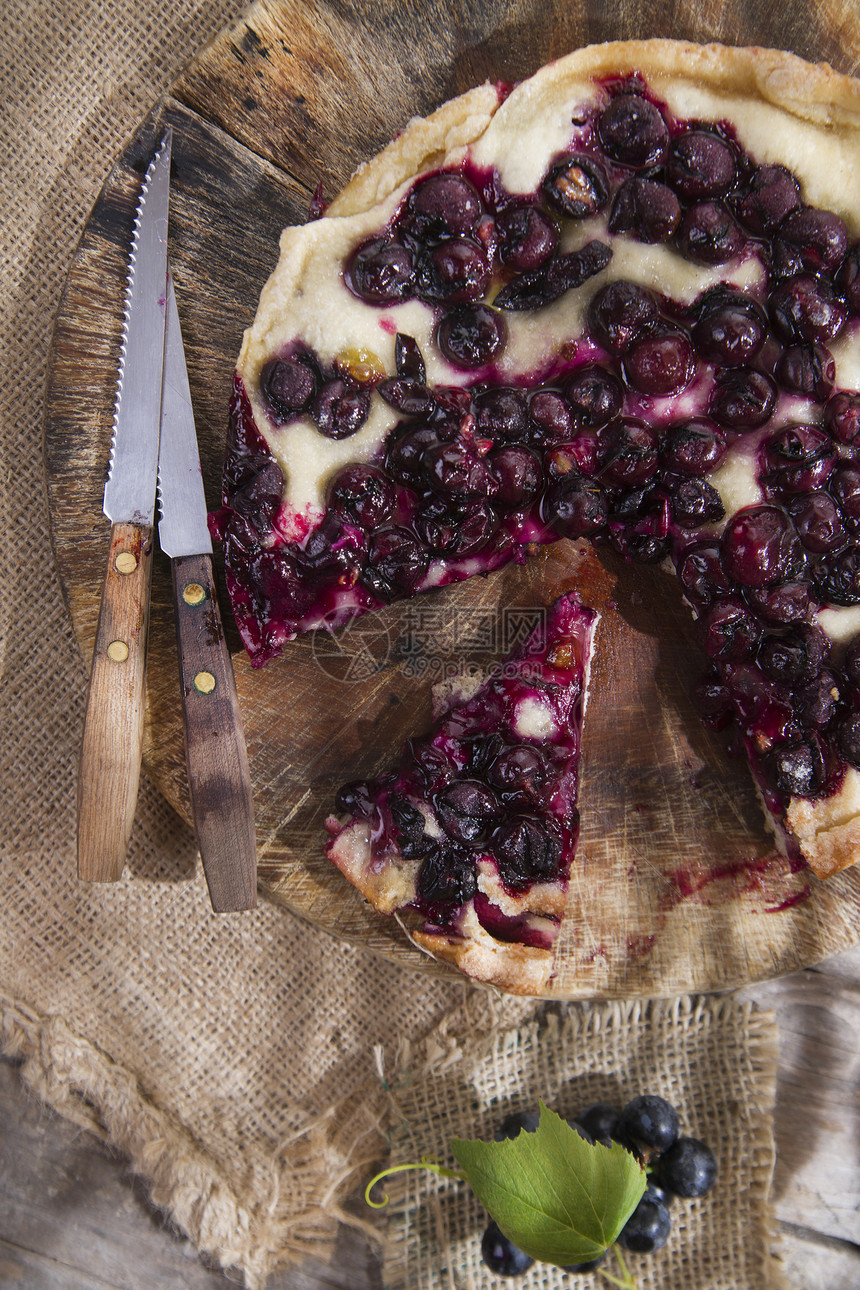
676,886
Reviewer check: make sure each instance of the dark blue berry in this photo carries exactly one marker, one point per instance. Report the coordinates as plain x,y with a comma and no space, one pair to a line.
444,204
649,1123
354,798
259,499
470,335
363,493
501,1255
633,131
820,237
798,769
848,740
576,187
408,358
409,825
688,1168
446,877
515,1123
645,208
525,850
518,772
701,165
647,1228
620,313
574,508
453,271
466,809
407,395
709,234
289,385
599,1119
396,563
742,399
654,1191
381,272
772,194
594,396
526,237
339,409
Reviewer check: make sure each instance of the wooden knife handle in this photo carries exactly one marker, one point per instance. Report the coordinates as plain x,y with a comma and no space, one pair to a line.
109,772
214,741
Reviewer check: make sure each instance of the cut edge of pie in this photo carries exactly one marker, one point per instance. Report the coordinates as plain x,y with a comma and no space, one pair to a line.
490,885
787,112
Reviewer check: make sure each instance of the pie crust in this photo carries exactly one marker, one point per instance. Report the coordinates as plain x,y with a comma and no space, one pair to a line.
501,925
779,111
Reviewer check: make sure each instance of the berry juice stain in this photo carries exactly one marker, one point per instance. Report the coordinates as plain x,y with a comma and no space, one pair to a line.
796,898
724,883
639,947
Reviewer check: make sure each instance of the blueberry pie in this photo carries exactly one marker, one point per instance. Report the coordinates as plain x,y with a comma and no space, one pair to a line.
476,828
619,301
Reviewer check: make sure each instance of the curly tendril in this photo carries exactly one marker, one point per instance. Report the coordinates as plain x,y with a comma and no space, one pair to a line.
426,1162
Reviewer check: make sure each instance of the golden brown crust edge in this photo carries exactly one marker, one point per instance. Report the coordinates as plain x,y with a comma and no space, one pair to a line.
422,143
517,969
826,851
808,91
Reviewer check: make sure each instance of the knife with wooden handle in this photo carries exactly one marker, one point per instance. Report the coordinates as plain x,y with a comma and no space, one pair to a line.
218,774
109,771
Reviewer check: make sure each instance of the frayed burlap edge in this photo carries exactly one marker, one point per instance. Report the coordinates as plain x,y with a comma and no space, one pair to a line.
295,1204
441,1055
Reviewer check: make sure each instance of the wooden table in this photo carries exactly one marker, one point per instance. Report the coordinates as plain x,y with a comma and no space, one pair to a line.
72,1217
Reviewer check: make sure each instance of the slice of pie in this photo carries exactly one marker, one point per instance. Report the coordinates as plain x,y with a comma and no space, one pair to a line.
619,301
477,826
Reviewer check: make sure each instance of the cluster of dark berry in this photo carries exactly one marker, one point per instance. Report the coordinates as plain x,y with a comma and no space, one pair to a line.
491,791
647,1126
592,444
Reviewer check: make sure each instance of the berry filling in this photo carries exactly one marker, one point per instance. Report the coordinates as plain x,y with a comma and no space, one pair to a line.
479,820
708,430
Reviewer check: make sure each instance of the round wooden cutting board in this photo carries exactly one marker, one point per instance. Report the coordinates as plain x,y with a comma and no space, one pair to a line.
676,886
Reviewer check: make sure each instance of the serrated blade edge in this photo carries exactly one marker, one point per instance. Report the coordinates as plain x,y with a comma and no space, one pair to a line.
129,495
182,529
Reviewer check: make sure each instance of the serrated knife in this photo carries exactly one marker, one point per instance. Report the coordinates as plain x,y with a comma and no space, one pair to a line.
215,750
109,772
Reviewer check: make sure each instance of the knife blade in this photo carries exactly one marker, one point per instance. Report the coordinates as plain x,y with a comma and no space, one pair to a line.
109,771
216,756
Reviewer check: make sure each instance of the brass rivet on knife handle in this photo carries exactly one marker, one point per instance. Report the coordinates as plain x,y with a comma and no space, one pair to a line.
126,562
108,777
218,774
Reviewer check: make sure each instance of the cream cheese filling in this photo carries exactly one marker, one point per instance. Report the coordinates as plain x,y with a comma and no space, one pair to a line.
327,317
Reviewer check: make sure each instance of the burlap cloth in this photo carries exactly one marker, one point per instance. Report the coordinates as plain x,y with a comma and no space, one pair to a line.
713,1058
231,1059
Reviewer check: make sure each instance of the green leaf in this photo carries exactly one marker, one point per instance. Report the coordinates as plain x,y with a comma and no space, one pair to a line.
559,1198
